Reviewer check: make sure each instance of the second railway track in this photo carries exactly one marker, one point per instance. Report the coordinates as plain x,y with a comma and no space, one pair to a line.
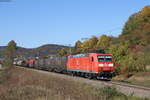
130,85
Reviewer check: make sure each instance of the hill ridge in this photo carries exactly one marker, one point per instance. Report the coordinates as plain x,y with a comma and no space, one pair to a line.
43,50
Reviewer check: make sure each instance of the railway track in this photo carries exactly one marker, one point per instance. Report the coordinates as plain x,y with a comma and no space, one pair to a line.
130,85
126,88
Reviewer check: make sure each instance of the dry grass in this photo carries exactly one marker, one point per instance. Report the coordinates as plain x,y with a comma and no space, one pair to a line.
20,84
140,78
28,85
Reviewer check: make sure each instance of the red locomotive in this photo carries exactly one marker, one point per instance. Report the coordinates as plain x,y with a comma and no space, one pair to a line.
91,65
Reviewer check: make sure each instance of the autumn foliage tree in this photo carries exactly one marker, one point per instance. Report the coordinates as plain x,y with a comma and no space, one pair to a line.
145,12
78,44
103,42
64,52
137,28
93,41
89,44
9,53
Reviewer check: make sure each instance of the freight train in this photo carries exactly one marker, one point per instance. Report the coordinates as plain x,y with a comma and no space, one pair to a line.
89,65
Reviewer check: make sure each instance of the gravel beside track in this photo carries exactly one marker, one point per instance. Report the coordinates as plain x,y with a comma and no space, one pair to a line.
128,89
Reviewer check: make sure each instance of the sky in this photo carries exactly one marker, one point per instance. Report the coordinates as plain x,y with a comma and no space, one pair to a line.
32,23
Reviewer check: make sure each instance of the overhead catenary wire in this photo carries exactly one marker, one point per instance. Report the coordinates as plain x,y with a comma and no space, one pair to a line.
116,29
119,28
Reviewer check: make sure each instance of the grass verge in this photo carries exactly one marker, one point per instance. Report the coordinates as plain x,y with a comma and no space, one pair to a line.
20,84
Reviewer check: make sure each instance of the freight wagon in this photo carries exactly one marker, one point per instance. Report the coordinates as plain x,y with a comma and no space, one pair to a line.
56,64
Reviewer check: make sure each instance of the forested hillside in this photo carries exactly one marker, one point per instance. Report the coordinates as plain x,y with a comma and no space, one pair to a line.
131,50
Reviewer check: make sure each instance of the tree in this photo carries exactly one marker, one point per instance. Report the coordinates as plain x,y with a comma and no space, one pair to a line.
137,28
119,50
63,52
93,41
78,44
85,46
146,12
9,53
103,42
89,44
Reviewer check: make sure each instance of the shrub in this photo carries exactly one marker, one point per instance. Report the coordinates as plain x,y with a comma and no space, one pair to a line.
135,62
111,93
119,51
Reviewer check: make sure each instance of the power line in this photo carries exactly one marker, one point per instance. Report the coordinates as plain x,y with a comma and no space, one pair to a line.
110,31
104,32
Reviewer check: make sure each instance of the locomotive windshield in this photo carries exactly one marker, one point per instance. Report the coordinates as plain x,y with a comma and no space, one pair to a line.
108,58
104,58
101,58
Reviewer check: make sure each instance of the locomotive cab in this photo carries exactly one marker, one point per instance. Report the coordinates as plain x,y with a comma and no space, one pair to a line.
105,65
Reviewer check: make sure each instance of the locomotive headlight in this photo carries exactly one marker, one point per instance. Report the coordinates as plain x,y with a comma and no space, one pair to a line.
101,65
110,65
